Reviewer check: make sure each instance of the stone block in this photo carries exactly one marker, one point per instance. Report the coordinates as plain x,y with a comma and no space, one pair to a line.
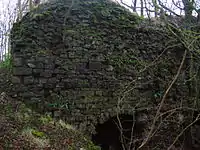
43,80
94,65
59,71
18,61
52,80
48,60
35,99
69,83
81,67
27,94
39,65
20,88
46,73
28,80
83,84
60,85
15,80
49,66
65,67
98,93
71,54
31,65
49,85
58,61
109,68
22,71
40,59
37,71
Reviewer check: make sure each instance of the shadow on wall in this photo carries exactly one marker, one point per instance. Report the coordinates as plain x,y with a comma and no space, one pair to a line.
108,135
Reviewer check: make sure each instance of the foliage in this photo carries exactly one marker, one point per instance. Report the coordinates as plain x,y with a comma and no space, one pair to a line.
45,119
38,133
7,63
91,146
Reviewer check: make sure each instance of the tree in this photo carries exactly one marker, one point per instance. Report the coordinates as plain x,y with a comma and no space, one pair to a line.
182,10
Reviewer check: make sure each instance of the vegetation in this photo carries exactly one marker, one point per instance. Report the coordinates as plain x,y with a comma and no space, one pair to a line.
7,62
22,128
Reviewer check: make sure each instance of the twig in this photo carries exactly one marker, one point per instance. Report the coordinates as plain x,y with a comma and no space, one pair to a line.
197,119
163,100
157,58
121,132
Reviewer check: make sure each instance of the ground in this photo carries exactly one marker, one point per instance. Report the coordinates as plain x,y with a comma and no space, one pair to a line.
22,128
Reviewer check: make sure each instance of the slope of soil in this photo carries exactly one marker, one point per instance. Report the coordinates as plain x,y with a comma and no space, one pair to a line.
22,128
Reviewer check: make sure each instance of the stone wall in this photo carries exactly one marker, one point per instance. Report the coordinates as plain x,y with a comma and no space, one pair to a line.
90,60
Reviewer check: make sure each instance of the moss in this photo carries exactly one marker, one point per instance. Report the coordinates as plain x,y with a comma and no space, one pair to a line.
47,13
37,138
41,52
35,16
91,146
38,133
45,119
70,31
121,62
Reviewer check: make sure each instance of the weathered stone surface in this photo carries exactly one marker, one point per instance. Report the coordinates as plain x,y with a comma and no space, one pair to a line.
96,62
49,66
15,80
27,94
37,71
46,73
92,65
42,80
52,80
109,68
20,71
39,65
28,80
18,61
31,65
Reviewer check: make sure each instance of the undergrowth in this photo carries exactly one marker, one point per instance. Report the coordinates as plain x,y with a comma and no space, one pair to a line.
22,128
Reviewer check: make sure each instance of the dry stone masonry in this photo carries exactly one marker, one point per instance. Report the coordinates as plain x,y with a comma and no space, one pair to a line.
90,60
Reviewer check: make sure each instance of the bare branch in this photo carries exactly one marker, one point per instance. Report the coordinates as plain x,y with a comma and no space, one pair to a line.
162,101
134,2
166,8
177,4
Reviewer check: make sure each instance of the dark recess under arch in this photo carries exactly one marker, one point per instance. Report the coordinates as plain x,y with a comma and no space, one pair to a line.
108,134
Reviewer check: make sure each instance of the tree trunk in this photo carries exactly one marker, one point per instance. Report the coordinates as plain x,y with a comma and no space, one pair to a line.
198,16
19,13
188,8
142,8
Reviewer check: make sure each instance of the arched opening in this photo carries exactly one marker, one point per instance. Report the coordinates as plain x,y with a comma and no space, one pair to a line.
119,132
